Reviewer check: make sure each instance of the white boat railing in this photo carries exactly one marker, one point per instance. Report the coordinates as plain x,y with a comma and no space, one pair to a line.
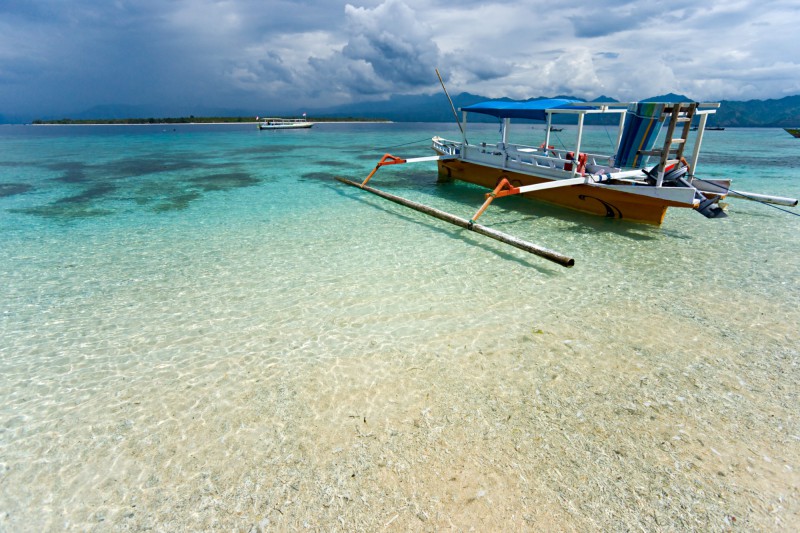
521,157
279,120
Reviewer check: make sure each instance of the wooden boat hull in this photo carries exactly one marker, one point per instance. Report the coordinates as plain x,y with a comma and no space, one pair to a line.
794,132
595,200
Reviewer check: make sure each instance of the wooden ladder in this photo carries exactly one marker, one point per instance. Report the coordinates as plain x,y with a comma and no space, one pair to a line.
672,152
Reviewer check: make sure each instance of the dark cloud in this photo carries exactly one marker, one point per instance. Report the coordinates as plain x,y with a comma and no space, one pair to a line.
608,18
348,77
394,40
273,65
182,56
477,67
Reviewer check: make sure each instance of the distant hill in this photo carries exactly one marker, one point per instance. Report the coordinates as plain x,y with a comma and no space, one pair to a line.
784,112
669,97
403,108
123,112
760,113
145,112
418,108
115,112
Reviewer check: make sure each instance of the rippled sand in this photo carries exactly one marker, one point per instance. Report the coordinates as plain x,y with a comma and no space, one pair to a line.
217,383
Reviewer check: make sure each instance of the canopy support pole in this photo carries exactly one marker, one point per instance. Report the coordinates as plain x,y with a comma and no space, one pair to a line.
578,144
547,131
701,128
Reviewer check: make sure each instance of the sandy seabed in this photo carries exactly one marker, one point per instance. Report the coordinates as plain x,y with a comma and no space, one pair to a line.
272,378
555,434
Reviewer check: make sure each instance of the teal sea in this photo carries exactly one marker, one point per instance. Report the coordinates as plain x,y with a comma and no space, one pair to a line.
201,329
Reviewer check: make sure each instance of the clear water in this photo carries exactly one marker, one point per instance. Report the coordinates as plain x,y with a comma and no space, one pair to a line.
202,329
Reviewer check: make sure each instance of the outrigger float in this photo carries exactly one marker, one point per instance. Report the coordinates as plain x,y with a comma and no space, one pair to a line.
618,185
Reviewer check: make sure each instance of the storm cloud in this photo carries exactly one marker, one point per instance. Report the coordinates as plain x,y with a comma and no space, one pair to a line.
184,56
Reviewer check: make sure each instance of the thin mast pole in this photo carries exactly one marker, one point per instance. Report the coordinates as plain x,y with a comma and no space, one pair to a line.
455,114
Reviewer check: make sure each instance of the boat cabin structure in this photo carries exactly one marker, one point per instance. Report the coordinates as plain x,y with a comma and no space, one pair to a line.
277,123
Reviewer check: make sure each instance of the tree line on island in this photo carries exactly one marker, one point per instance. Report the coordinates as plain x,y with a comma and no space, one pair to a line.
191,119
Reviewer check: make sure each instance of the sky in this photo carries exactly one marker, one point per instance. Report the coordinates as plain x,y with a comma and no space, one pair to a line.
177,56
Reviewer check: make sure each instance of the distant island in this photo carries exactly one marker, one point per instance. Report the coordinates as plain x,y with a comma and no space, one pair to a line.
783,112
187,120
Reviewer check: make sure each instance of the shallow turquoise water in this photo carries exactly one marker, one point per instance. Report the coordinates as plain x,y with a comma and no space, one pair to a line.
148,269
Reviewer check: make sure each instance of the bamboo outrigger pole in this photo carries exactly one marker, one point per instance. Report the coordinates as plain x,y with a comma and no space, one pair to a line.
468,224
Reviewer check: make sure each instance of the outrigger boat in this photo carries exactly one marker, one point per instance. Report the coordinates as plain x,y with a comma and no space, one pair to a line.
284,123
618,185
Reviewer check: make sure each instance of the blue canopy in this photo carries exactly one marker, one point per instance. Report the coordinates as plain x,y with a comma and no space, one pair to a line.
532,110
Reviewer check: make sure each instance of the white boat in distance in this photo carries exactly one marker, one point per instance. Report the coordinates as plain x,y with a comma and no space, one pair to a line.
277,123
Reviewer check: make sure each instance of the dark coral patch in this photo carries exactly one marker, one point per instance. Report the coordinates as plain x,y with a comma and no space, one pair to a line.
178,202
321,176
270,149
65,211
333,163
73,171
224,182
11,189
74,207
92,193
135,166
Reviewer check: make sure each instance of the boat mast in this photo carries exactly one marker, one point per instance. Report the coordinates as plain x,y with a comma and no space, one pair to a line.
453,107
